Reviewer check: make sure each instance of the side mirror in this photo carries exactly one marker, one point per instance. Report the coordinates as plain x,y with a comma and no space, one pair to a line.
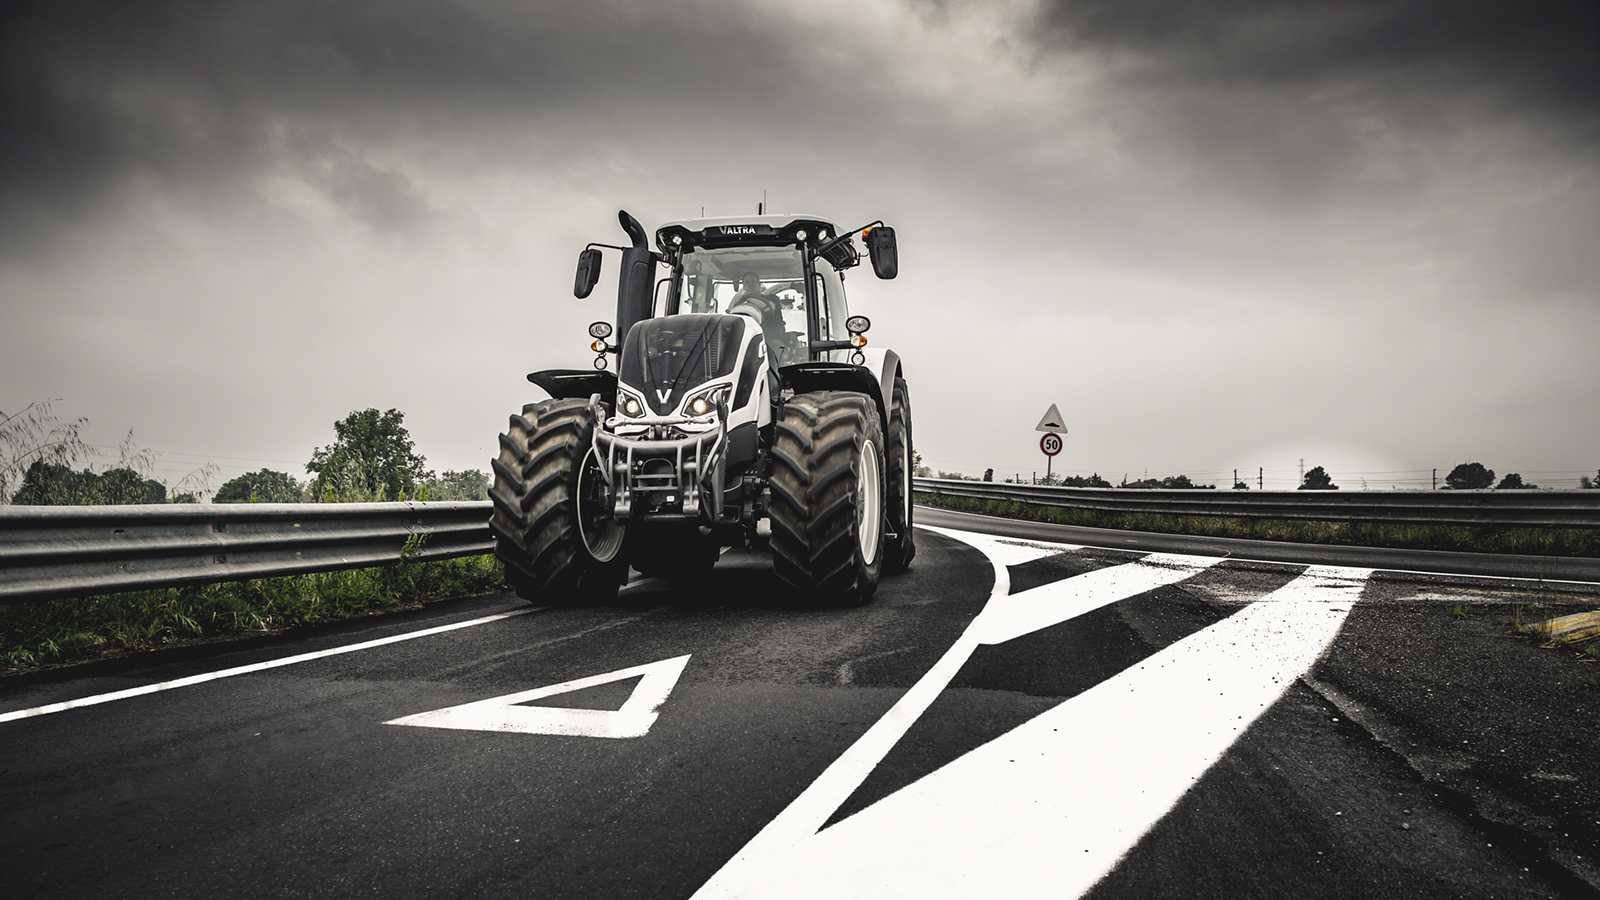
589,272
885,256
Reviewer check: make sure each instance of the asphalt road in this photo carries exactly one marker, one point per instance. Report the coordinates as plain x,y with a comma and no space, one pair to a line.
1052,713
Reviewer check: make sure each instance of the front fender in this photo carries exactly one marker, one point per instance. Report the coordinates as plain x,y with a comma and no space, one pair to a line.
803,378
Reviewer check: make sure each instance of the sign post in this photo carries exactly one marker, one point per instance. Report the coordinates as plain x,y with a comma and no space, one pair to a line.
1050,444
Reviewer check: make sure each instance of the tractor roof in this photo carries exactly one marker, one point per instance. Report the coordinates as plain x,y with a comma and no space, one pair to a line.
771,230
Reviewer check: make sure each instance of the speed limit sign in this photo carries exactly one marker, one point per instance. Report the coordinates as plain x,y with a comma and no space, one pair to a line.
1050,444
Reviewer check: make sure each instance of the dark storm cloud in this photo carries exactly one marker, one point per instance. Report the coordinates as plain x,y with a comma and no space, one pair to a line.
95,95
1539,53
1293,99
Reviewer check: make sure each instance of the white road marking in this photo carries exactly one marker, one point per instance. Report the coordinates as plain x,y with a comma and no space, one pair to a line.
633,719
746,874
253,667
1019,614
1050,807
1004,550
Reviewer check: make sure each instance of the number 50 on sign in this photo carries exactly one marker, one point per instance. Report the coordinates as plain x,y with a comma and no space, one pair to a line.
1050,444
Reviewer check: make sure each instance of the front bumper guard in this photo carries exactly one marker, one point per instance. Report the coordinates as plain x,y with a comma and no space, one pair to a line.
698,466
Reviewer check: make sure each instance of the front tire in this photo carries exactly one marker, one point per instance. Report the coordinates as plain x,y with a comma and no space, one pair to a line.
553,530
827,496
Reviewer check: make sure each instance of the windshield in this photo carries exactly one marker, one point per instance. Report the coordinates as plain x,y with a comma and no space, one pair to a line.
766,284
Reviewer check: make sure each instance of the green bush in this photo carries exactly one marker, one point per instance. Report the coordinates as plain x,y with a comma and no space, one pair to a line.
58,631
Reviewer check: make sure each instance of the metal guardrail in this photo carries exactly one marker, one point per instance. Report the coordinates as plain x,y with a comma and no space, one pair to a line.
1572,508
50,552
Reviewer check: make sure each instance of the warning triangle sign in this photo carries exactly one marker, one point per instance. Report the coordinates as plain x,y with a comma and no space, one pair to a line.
1052,421
633,719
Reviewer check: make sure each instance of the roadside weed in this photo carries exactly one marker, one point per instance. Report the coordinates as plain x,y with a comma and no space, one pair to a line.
59,631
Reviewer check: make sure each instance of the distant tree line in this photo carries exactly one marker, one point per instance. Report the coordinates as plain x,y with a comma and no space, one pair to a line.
371,458
1464,477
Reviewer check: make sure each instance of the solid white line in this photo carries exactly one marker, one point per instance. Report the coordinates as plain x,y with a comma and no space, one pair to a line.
245,670
801,818
1002,618
1050,807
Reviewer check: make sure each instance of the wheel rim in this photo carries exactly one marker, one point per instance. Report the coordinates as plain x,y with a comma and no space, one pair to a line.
869,504
602,535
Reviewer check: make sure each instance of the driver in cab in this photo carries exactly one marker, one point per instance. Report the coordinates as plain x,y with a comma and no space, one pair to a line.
766,308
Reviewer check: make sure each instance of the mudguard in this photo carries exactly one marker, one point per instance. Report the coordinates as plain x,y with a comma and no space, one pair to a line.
575,384
874,377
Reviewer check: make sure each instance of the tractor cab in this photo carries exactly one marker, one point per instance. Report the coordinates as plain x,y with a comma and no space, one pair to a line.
759,267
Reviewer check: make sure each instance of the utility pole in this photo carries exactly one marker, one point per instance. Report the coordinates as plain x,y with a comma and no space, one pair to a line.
1436,479
1235,479
1302,470
1261,479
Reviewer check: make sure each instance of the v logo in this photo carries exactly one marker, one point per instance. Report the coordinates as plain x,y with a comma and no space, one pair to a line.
663,395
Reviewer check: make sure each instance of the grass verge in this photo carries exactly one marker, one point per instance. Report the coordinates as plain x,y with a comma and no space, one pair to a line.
51,632
1475,539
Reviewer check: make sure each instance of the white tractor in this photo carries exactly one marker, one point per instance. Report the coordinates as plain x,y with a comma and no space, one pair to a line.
744,391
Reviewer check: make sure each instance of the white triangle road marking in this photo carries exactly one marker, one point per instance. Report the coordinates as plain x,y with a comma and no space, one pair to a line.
504,714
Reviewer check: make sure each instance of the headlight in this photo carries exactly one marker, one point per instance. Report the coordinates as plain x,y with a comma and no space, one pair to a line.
704,402
629,405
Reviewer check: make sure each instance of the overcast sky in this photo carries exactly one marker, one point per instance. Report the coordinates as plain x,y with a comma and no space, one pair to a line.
1219,235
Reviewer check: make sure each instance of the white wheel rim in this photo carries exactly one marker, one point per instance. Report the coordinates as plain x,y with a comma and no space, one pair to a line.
869,504
602,542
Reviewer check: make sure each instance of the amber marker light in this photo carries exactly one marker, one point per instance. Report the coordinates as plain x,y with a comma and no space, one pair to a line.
858,340
598,346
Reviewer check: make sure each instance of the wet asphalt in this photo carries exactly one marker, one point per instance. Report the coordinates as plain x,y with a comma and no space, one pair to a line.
1431,751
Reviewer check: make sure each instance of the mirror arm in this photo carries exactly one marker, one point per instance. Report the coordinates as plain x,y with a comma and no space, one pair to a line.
839,239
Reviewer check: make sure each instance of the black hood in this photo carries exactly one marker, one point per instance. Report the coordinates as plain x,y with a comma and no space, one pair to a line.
663,359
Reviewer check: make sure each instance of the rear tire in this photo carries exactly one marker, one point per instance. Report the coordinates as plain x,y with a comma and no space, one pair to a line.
898,551
827,496
553,531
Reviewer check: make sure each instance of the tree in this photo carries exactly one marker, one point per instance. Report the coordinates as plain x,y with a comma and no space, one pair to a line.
372,458
1241,486
918,470
988,474
32,437
265,486
467,484
1318,480
1469,476
1588,484
47,484
1182,482
1513,482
